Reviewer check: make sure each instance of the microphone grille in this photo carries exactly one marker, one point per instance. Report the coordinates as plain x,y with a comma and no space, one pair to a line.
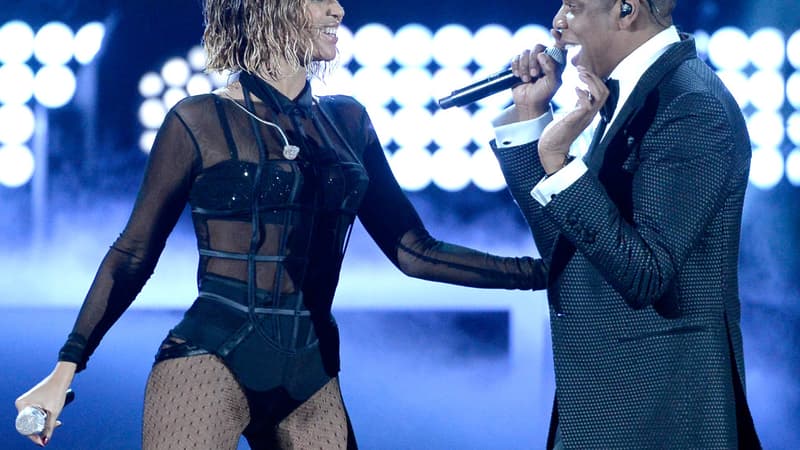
559,55
30,421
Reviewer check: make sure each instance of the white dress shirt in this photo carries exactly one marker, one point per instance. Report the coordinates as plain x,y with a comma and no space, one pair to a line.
628,72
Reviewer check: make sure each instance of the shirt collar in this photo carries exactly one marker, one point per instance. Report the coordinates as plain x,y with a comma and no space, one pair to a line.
275,99
631,69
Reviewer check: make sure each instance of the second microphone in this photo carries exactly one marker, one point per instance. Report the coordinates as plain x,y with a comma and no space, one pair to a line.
493,84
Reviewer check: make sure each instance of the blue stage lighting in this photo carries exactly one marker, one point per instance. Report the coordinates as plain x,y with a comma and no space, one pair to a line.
725,49
412,168
767,49
370,85
413,127
16,165
412,86
485,44
88,41
793,167
451,168
372,44
793,49
54,44
16,83
413,46
793,90
767,90
452,46
485,171
54,86
152,113
176,72
453,128
766,168
17,124
151,85
16,42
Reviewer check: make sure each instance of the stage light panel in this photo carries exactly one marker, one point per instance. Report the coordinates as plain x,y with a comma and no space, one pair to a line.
172,96
54,44
452,46
89,41
412,86
152,113
54,86
767,90
17,124
413,46
412,127
766,168
452,128
371,86
147,139
485,170
151,85
726,49
16,165
793,128
528,36
176,72
371,45
491,46
738,84
16,42
767,49
793,49
16,83
451,168
766,129
412,168
198,84
793,167
793,90
197,58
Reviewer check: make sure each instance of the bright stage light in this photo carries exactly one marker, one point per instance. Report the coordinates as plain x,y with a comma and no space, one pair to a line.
173,96
766,88
412,168
88,41
151,85
767,49
147,139
793,167
739,85
412,46
17,124
412,86
448,79
198,84
16,42
338,82
766,168
485,45
528,36
726,49
452,46
54,44
16,165
54,86
451,168
793,90
413,127
766,129
452,128
152,113
793,128
176,72
197,58
485,170
793,49
383,123
369,86
370,45
16,83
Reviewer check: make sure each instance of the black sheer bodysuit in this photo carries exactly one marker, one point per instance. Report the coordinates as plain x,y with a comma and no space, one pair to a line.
271,234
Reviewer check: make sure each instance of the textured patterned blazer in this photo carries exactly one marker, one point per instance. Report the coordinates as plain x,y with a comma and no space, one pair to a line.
642,253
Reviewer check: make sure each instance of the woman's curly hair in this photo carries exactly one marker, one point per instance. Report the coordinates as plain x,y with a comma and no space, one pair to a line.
258,36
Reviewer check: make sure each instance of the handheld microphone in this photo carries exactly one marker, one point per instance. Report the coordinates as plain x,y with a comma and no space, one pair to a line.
31,419
493,84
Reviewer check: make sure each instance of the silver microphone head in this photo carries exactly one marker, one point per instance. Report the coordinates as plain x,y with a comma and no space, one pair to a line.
31,421
559,55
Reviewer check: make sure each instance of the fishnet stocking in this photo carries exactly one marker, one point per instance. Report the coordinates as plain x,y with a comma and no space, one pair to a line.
193,403
319,423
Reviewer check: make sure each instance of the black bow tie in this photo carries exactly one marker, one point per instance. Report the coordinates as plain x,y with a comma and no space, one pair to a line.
607,111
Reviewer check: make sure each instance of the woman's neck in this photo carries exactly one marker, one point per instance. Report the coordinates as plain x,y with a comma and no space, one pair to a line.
290,86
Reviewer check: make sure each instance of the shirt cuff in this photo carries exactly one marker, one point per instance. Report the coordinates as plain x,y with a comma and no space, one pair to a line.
550,186
509,133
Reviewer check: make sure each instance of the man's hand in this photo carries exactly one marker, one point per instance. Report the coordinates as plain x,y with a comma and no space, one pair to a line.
556,140
541,78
